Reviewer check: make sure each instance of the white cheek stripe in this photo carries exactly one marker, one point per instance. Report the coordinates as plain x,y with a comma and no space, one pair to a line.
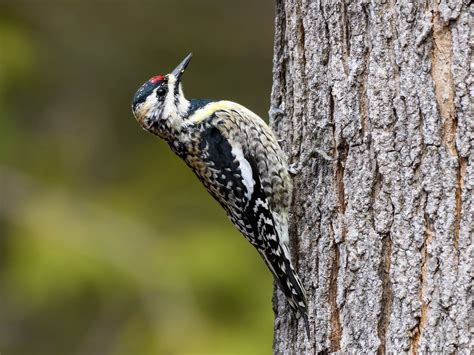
169,106
183,104
246,171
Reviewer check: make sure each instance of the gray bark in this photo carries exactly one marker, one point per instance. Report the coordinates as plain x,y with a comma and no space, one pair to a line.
380,235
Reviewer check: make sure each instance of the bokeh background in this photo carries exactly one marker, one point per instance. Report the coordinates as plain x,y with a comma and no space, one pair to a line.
108,243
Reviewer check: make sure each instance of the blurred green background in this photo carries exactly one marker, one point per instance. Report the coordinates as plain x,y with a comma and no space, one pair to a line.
108,243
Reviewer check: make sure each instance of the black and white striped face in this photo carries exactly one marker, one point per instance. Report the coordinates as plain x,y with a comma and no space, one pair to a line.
159,105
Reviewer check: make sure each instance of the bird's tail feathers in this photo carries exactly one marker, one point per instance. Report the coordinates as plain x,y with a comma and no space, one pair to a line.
289,283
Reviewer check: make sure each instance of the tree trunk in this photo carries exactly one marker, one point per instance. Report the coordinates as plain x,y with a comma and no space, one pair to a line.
381,234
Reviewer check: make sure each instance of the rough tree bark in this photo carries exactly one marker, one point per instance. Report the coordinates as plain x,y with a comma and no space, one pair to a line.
380,235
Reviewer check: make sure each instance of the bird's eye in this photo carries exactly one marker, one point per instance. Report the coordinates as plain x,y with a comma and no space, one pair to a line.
160,91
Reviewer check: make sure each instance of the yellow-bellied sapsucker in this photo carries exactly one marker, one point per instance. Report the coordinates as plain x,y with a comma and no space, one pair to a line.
237,158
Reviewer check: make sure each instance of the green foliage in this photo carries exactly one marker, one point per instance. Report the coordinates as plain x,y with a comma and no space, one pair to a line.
108,244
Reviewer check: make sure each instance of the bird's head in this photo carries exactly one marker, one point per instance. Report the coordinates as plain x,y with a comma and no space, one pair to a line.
159,104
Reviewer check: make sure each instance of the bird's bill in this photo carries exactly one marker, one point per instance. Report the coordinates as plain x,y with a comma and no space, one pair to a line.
179,70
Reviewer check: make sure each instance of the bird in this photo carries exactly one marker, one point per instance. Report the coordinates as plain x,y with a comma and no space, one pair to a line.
236,156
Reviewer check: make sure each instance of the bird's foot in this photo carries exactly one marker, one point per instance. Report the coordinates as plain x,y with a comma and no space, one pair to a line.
275,114
296,168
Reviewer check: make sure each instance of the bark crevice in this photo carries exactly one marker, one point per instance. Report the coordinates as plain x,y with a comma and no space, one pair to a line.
442,60
387,294
460,176
336,328
417,331
342,151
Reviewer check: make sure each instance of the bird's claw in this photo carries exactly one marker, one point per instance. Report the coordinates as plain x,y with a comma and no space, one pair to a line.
275,113
296,168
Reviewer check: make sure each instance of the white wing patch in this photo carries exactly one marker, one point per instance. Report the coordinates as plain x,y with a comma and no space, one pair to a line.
246,171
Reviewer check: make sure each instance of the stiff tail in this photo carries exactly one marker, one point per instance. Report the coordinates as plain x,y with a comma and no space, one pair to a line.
288,281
